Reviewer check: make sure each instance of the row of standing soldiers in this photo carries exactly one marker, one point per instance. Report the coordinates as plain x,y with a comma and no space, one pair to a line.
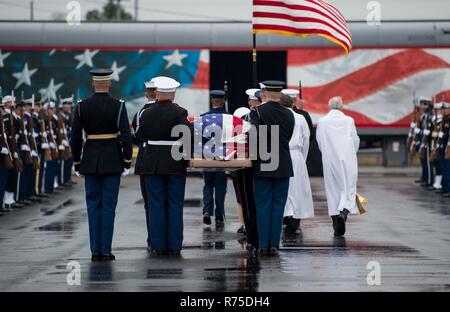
429,139
35,154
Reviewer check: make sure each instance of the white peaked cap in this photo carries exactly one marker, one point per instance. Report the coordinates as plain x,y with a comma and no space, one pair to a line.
424,99
251,94
165,84
241,112
150,84
439,105
50,104
8,98
291,92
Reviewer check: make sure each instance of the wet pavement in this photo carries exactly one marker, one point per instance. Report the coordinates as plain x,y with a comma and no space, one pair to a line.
406,230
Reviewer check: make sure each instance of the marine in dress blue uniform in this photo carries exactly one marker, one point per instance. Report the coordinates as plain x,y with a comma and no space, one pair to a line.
445,152
150,94
271,186
165,176
107,154
215,187
51,165
67,115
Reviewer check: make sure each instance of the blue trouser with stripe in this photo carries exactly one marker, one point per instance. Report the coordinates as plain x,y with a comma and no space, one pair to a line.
165,200
270,199
51,171
427,169
102,193
3,176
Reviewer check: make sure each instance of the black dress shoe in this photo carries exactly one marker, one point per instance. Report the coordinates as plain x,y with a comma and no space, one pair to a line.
15,205
156,252
219,225
263,252
35,199
418,181
96,257
206,218
43,195
292,226
25,202
340,223
273,251
174,253
241,231
108,257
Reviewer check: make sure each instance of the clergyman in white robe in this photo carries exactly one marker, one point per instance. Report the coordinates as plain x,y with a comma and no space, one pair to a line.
339,143
299,204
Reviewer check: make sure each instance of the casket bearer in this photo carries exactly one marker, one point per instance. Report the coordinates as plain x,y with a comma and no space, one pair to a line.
106,156
165,174
141,161
272,174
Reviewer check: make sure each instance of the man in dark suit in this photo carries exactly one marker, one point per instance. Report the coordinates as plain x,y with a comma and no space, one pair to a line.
271,174
106,156
215,179
165,173
150,94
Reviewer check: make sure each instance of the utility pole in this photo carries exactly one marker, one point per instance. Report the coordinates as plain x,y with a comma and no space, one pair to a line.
136,8
31,10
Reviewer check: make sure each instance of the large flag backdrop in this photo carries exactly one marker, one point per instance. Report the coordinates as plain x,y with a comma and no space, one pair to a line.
377,85
66,72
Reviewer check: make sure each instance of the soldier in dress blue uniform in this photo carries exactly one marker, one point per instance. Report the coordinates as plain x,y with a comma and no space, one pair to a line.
165,176
4,152
271,185
67,115
37,124
106,156
444,150
150,94
215,179
51,165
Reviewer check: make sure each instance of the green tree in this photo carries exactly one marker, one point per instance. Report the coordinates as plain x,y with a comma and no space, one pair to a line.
110,12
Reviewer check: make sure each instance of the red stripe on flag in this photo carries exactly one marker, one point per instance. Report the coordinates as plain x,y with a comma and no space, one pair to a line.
334,12
300,19
311,31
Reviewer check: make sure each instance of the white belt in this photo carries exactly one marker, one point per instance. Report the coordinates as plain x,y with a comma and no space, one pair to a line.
166,143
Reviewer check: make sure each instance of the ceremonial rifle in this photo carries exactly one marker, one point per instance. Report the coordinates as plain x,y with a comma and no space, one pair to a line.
33,145
44,139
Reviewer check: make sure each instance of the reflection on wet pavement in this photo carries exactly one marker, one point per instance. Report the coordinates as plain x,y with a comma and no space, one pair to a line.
406,230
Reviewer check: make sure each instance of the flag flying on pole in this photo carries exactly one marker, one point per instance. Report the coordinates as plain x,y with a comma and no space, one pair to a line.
301,18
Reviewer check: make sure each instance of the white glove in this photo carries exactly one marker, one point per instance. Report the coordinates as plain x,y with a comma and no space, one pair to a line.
426,132
416,130
24,148
44,135
77,174
45,146
52,145
4,151
125,172
441,135
34,154
413,125
65,143
61,147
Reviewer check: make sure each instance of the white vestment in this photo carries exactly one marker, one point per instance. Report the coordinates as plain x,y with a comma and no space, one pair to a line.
339,143
299,203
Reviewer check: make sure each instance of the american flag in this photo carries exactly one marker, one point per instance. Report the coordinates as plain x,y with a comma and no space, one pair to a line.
301,18
220,136
377,85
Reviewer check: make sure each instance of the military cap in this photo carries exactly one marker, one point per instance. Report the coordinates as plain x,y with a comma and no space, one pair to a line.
67,101
241,112
50,104
150,84
8,98
273,85
291,92
101,74
439,105
217,94
425,101
251,94
165,84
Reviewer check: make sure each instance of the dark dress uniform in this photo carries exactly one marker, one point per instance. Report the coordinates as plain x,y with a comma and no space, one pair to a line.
68,163
165,176
427,168
51,166
106,152
445,163
271,184
215,185
12,174
38,139
140,163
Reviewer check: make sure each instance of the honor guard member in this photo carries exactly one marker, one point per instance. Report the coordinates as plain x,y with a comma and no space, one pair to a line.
271,176
215,179
244,181
165,175
150,94
67,115
107,154
38,126
29,175
435,145
51,165
25,155
5,155
444,152
11,180
425,142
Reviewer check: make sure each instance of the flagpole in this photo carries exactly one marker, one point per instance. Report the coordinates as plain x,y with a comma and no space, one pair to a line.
225,88
254,61
300,95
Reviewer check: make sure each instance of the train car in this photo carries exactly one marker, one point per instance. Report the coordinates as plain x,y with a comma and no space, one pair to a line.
389,63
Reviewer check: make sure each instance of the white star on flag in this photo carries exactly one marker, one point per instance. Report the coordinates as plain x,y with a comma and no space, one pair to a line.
50,91
116,71
24,76
3,57
85,58
174,59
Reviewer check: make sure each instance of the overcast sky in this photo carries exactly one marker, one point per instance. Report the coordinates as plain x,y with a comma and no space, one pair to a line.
222,9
